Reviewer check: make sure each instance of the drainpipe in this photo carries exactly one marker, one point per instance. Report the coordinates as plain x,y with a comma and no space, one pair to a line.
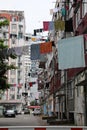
85,105
59,109
66,96
54,87
66,92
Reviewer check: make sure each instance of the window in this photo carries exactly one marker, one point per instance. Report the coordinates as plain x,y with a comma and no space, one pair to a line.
20,28
13,41
13,63
62,77
14,19
84,8
26,38
12,88
14,28
20,18
70,89
12,80
12,72
20,35
18,96
78,90
4,34
12,96
78,19
6,42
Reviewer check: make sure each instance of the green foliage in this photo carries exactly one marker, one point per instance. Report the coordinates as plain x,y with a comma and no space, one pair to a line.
3,83
11,67
32,103
13,56
4,66
4,23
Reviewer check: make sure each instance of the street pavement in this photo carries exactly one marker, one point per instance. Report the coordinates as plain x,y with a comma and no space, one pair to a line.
23,120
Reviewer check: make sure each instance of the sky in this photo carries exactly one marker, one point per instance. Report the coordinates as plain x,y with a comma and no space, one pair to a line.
35,11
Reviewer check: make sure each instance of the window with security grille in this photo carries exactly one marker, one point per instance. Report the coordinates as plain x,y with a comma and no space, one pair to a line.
12,96
70,89
12,72
13,28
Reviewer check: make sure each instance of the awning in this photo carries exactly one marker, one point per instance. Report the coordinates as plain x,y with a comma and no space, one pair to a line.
31,107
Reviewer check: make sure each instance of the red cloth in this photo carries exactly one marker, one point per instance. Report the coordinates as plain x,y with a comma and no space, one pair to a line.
31,83
85,36
46,47
33,106
46,25
19,85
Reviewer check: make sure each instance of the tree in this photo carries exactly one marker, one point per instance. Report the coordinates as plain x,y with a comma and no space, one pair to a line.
34,103
4,58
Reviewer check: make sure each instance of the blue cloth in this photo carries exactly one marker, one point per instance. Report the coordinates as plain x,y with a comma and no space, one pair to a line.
63,11
71,53
43,57
51,25
45,109
35,52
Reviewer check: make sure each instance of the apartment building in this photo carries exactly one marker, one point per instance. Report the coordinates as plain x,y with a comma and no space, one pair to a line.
14,37
65,92
27,67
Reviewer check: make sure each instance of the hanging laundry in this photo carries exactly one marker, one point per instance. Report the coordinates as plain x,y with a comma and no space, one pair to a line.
59,25
63,12
46,47
48,25
71,53
11,51
51,11
69,25
51,26
18,51
25,50
35,51
31,83
43,58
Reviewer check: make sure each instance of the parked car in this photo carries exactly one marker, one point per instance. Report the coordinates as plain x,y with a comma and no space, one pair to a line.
37,111
19,112
9,113
16,112
26,111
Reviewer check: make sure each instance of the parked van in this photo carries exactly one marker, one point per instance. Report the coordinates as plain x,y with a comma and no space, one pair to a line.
37,111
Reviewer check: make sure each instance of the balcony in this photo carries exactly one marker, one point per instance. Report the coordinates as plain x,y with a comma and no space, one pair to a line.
82,27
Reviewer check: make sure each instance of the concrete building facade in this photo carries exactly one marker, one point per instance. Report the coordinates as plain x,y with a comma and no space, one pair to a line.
14,33
64,93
